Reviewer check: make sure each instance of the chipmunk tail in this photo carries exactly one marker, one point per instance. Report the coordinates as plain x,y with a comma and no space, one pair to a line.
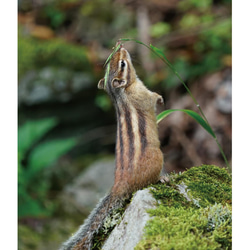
83,238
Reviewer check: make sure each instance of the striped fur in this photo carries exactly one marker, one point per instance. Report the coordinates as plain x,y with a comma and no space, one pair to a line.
139,159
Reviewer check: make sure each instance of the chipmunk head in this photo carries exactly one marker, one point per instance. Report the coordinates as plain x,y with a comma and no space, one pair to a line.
121,74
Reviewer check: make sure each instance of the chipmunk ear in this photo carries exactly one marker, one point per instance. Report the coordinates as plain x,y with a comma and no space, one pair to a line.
101,84
118,83
160,100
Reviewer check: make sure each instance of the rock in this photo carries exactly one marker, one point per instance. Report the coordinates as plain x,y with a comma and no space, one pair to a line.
224,97
39,93
51,84
86,189
130,230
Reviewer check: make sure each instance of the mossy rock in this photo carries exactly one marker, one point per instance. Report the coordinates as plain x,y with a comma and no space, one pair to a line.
194,211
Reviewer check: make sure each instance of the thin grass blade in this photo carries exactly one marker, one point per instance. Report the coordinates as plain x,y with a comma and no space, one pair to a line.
115,49
108,64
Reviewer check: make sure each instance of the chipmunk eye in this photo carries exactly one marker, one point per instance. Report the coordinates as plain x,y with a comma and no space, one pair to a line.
123,64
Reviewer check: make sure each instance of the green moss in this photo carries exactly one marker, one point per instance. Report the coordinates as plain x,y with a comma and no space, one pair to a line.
179,228
194,211
209,183
169,196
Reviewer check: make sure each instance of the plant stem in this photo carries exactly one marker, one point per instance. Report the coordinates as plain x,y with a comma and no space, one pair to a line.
223,154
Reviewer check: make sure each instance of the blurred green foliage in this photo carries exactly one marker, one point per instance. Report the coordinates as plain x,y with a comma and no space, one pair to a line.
211,48
159,29
33,158
213,45
197,4
189,21
103,102
56,16
33,53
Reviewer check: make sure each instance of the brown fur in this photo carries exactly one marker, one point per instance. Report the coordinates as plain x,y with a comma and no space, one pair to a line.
147,166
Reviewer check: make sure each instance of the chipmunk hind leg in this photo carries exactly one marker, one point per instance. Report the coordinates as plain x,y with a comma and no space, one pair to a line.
148,170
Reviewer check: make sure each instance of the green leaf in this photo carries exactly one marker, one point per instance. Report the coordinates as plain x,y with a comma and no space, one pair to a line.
106,74
116,48
48,152
32,131
132,39
192,114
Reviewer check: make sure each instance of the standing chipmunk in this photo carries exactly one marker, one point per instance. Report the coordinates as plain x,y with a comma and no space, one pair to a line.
139,159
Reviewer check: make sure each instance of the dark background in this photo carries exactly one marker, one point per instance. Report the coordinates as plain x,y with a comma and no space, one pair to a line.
65,123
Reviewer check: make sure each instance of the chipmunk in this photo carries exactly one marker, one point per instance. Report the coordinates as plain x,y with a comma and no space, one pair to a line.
139,159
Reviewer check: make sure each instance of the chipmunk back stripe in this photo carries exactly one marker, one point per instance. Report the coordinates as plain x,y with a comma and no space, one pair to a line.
130,135
142,130
120,148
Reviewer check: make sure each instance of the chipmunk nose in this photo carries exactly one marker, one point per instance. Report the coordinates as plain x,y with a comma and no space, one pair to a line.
119,43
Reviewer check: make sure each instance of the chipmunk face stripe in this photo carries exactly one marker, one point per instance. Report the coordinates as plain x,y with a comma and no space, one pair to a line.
122,66
128,75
